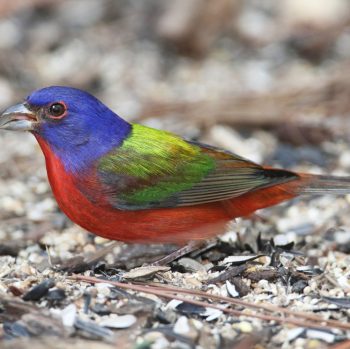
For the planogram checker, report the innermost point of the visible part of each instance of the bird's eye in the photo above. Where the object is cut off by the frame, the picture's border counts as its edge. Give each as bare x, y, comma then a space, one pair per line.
57, 110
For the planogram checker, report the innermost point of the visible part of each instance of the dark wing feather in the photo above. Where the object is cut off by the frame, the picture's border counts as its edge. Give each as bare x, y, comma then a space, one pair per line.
232, 177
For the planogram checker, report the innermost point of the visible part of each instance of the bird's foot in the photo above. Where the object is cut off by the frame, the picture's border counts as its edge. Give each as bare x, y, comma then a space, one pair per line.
182, 251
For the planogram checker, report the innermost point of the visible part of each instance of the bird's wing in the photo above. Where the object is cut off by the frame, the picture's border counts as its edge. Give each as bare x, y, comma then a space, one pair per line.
157, 169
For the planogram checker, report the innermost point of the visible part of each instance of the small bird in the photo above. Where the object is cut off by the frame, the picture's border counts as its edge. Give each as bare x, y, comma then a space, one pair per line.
133, 183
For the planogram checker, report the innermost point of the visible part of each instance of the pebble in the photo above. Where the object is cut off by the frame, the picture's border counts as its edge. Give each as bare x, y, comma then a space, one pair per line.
192, 281
10, 34
281, 240
39, 211
244, 326
69, 315
191, 265
10, 204
89, 248
157, 340
6, 265
186, 328
342, 236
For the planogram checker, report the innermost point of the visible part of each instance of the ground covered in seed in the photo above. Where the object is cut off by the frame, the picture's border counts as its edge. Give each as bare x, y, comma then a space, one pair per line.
266, 81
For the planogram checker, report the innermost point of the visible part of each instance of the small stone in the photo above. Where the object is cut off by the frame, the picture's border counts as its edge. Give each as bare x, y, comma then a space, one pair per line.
161, 343
228, 332
39, 211
342, 236
157, 339
192, 282
12, 205
89, 248
100, 240
307, 290
68, 315
191, 265
185, 327
244, 326
280, 240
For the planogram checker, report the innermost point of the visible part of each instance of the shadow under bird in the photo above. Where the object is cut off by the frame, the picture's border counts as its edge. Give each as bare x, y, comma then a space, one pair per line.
133, 183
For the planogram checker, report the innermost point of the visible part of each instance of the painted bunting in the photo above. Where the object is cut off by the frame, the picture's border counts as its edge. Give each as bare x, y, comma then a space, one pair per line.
133, 183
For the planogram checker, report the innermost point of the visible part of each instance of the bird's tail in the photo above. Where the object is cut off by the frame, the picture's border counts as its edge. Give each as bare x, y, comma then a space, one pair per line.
301, 184
318, 184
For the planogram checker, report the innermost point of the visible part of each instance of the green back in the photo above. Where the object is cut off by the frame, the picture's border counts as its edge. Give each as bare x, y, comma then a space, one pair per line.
157, 169
162, 164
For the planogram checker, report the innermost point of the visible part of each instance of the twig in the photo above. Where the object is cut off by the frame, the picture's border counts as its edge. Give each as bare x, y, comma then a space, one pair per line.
342, 345
267, 307
170, 294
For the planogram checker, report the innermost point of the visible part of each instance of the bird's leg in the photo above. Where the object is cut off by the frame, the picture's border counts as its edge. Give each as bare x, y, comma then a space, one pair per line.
182, 251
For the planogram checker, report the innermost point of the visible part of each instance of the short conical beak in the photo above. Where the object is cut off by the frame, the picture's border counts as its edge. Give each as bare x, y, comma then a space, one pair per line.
18, 118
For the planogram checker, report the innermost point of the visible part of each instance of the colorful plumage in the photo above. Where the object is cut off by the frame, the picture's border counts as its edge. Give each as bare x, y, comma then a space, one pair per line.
133, 183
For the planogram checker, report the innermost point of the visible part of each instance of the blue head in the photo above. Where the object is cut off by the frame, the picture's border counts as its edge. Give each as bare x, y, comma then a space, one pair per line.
77, 126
